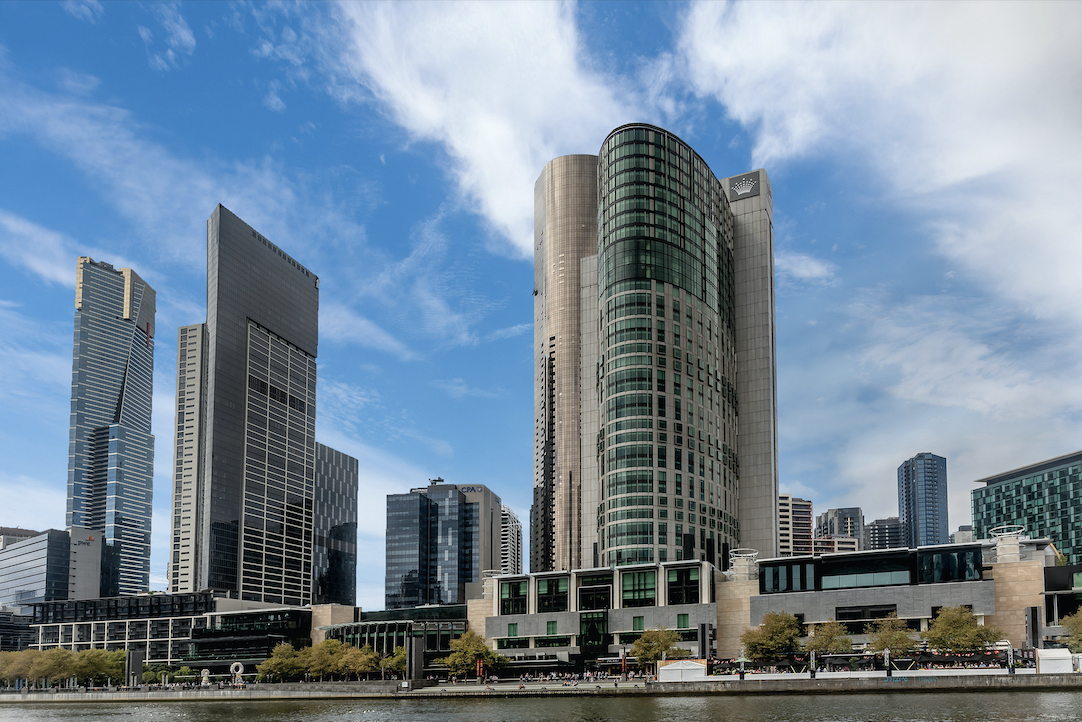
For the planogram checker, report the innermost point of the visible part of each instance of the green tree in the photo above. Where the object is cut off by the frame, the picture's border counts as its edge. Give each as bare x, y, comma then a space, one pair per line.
284, 663
322, 659
395, 661
20, 665
354, 661
95, 667
56, 664
466, 650
185, 673
655, 644
830, 638
778, 635
890, 633
955, 629
1072, 625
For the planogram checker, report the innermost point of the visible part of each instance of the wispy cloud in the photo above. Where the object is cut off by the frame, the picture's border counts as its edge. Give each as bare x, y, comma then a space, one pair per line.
510, 331
179, 40
802, 268
457, 388
32, 503
343, 324
88, 10
43, 251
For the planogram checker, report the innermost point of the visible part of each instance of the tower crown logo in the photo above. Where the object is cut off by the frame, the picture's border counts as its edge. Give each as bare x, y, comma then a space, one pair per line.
747, 185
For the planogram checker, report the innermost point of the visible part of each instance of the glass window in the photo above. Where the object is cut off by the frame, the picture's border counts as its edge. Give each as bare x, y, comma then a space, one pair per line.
513, 597
550, 628
638, 624
683, 586
512, 629
639, 589
682, 621
552, 595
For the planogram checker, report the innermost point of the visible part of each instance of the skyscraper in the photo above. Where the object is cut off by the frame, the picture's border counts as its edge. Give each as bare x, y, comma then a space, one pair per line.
794, 526
654, 377
883, 534
334, 551
844, 522
510, 541
244, 499
440, 538
922, 500
111, 449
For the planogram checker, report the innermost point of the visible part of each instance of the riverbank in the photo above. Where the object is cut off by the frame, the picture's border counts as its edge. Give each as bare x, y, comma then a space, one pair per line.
899, 683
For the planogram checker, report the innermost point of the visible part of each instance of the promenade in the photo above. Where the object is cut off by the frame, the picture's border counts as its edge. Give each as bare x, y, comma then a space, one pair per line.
950, 680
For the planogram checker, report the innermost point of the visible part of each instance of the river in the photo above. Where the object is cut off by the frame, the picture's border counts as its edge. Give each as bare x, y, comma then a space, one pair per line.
912, 707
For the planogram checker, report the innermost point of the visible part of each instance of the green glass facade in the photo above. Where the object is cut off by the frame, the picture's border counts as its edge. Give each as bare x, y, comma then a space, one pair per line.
667, 361
1043, 497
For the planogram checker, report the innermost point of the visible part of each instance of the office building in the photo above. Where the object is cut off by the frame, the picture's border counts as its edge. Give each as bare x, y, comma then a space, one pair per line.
12, 534
922, 500
834, 544
249, 401
510, 541
654, 343
794, 526
1042, 497
883, 534
964, 534
53, 565
844, 522
334, 553
111, 449
440, 538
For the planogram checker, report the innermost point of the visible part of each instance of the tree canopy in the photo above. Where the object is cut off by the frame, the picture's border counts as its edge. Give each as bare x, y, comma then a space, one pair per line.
656, 643
466, 650
955, 629
1072, 625
890, 633
829, 638
778, 635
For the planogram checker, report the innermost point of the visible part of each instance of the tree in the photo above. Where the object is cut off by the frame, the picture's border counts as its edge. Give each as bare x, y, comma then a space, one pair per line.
778, 635
466, 650
656, 643
890, 633
357, 661
1072, 625
21, 664
55, 664
95, 667
322, 659
830, 638
955, 629
395, 661
184, 673
283, 664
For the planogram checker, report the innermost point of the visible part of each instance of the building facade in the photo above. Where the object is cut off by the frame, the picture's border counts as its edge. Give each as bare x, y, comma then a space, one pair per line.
510, 541
334, 552
794, 526
845, 522
252, 501
440, 539
1042, 497
673, 404
53, 565
883, 534
111, 449
922, 500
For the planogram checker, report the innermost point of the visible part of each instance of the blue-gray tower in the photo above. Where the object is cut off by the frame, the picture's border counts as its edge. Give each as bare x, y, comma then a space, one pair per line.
922, 500
111, 449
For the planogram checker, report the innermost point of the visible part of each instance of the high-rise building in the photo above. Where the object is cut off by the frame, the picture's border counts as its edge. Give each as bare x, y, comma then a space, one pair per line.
53, 565
510, 541
883, 534
847, 522
334, 552
249, 422
440, 538
1042, 497
654, 342
111, 449
794, 526
963, 535
922, 500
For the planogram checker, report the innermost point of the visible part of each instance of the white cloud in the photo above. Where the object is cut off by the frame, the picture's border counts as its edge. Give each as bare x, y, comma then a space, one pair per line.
88, 10
802, 268
32, 503
458, 388
503, 88
179, 39
45, 252
272, 100
510, 331
343, 324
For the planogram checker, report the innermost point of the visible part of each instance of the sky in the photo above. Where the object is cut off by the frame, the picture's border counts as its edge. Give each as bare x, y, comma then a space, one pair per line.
924, 157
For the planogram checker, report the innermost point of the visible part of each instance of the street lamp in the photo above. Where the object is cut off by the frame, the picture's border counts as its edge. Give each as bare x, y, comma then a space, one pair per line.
623, 661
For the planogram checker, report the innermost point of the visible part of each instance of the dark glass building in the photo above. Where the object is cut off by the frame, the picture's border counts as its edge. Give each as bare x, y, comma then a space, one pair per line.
1043, 497
334, 552
111, 449
883, 534
35, 569
922, 500
440, 539
252, 394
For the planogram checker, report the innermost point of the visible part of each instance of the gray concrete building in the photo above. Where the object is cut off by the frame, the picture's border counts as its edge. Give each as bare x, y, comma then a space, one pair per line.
843, 522
883, 534
111, 449
668, 401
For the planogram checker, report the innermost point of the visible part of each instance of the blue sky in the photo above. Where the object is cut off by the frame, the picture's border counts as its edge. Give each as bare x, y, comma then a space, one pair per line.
925, 160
